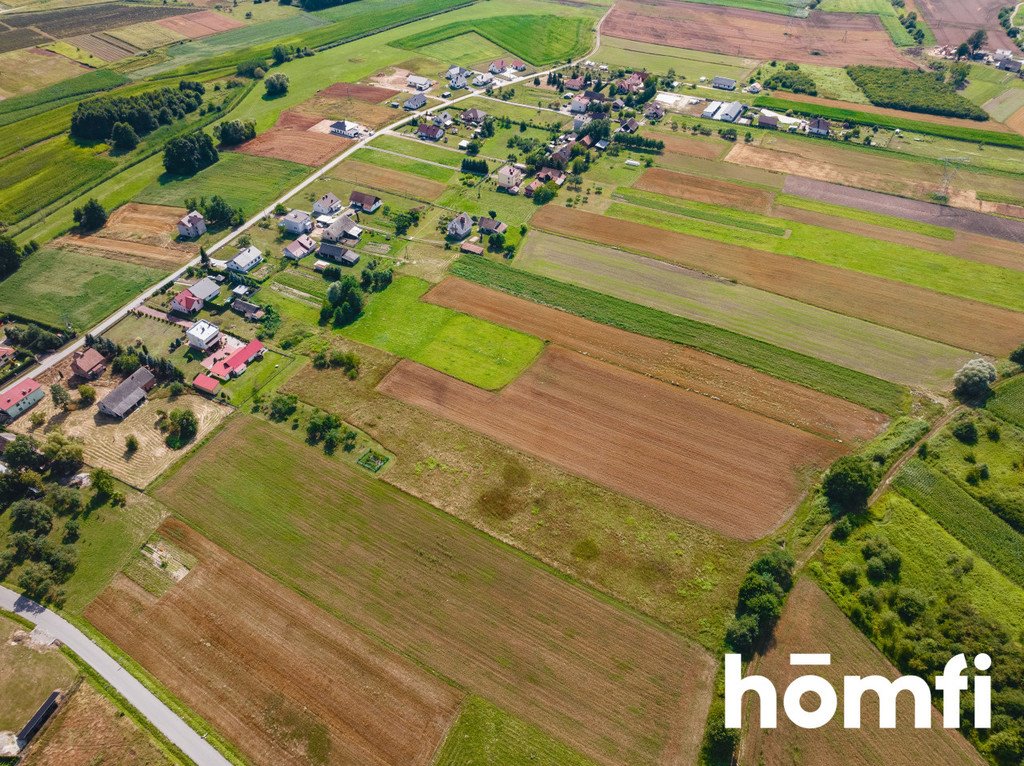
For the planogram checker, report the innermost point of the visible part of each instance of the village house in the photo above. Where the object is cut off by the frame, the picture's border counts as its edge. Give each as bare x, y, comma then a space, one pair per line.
418, 82
204, 384
246, 260
730, 112
629, 126
88, 363
455, 71
6, 354
474, 116
346, 129
363, 201
429, 132
551, 174
415, 101
129, 395
458, 82
491, 226
327, 205
249, 311
579, 105
654, 112
343, 228
460, 226
203, 335
484, 78
443, 120
723, 83
593, 95
519, 66
497, 67
192, 225
579, 122
574, 83
769, 121
1010, 65
532, 187
339, 254
509, 177
192, 299
235, 364
472, 248
819, 126
299, 248
297, 222
711, 110
20, 398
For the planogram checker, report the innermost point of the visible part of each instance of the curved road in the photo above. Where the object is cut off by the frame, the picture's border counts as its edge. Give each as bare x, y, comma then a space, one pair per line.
143, 700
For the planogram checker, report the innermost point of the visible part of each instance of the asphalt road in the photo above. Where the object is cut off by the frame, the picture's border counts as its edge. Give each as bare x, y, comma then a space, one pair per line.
143, 700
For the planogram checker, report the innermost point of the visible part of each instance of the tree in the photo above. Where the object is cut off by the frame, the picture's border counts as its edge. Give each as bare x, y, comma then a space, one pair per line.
131, 443
545, 193
235, 132
182, 428
963, 51
123, 136
90, 216
1017, 355
64, 453
974, 380
102, 482
281, 54
31, 516
64, 501
86, 393
849, 483
283, 406
61, 397
21, 453
36, 581
188, 154
276, 84
10, 255
344, 301
977, 40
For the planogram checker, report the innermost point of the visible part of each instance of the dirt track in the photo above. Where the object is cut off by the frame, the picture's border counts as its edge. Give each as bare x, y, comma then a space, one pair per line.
836, 39
279, 678
708, 190
703, 460
955, 321
687, 368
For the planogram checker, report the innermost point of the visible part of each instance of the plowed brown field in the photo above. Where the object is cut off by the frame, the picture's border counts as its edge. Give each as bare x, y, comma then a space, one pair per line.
714, 464
306, 147
700, 189
685, 367
284, 681
811, 623
953, 21
837, 39
141, 234
690, 147
199, 24
957, 322
385, 179
371, 94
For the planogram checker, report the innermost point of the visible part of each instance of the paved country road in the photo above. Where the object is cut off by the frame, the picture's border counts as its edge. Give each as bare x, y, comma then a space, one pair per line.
143, 700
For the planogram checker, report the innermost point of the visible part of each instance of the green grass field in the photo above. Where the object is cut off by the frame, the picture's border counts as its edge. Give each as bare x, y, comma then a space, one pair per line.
393, 162
28, 676
484, 733
242, 180
59, 287
419, 149
1008, 402
688, 65
831, 81
866, 216
852, 343
20, 107
537, 39
934, 271
829, 378
964, 518
985, 83
886, 14
464, 347
465, 49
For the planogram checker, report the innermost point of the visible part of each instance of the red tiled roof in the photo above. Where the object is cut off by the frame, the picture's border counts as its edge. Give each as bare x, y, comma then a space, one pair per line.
206, 384
16, 393
240, 358
87, 360
469, 247
6, 351
187, 300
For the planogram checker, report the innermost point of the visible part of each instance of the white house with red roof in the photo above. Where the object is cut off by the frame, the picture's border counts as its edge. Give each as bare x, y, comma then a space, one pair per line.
192, 299
235, 364
20, 398
497, 67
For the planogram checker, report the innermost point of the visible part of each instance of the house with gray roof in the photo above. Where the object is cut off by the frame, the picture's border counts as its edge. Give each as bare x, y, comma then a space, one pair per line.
129, 395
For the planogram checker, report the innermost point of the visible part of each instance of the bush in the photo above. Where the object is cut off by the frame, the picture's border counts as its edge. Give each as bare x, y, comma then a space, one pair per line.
974, 380
123, 136
849, 483
965, 431
235, 132
249, 68
86, 393
1017, 355
91, 216
182, 427
283, 406
792, 80
276, 84
131, 443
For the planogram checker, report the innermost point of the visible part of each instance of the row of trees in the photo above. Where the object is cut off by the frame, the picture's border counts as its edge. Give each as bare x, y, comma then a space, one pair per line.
639, 143
135, 115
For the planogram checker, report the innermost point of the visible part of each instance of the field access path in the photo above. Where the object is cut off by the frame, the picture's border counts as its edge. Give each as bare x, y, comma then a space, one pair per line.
142, 699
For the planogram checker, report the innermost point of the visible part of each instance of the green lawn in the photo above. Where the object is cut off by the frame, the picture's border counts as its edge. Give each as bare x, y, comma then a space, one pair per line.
479, 352
242, 180
538, 39
1008, 402
829, 378
485, 733
59, 287
964, 518
465, 49
934, 271
858, 345
155, 335
403, 164
689, 66
272, 368
420, 149
831, 81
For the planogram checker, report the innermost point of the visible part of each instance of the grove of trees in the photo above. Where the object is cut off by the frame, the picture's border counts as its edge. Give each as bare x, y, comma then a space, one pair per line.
95, 119
914, 91
188, 154
234, 132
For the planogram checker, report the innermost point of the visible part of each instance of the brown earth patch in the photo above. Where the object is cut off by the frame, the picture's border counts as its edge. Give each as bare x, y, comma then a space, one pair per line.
1016, 121
88, 730
385, 179
997, 252
156, 256
307, 147
953, 21
707, 461
326, 106
199, 24
700, 189
286, 682
811, 623
691, 147
680, 366
837, 39
958, 122
371, 94
141, 234
104, 46
955, 321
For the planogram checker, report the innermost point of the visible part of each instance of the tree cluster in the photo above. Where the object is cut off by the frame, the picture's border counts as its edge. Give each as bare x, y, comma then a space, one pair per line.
95, 119
33, 337
11, 255
913, 90
181, 427
234, 132
760, 602
477, 167
374, 278
343, 360
640, 143
276, 84
329, 429
90, 216
793, 79
344, 302
216, 211
188, 154
849, 483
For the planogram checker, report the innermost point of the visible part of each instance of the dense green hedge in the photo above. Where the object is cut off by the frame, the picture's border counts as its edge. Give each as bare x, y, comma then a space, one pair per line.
913, 90
972, 135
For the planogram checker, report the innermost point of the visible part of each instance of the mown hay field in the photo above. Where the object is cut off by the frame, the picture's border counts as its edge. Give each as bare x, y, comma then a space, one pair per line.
943, 318
495, 622
812, 623
283, 680
388, 180
58, 287
853, 343
713, 464
687, 368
